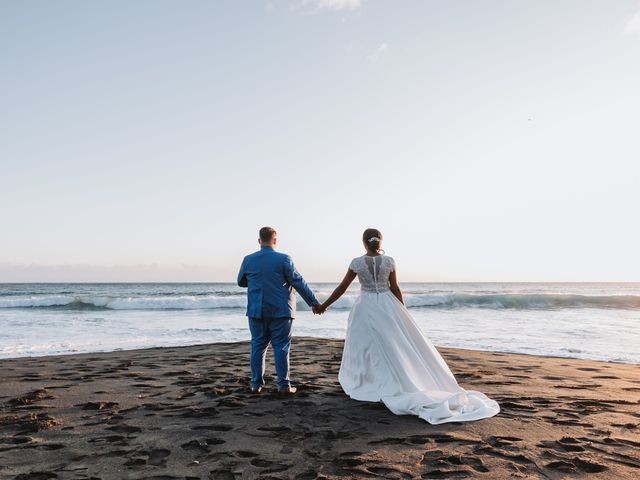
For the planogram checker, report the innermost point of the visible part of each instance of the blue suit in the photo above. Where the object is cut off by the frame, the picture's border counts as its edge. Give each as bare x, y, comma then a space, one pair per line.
271, 278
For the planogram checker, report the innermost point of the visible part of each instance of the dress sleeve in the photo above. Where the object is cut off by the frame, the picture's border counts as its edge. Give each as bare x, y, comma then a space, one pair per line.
353, 265
393, 264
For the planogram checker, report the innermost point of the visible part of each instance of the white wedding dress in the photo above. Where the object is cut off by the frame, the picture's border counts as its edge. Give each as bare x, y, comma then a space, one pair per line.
387, 358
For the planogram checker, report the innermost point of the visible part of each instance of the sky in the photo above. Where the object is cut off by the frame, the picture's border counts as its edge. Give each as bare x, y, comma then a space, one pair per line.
488, 140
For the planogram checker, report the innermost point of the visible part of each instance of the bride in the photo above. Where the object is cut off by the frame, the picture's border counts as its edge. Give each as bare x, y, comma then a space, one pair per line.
387, 358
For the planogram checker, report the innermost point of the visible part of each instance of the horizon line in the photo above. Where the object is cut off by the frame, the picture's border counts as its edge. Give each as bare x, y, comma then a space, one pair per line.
312, 282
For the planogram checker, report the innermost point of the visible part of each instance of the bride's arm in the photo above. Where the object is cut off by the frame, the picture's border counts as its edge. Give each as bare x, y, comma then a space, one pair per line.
394, 287
340, 289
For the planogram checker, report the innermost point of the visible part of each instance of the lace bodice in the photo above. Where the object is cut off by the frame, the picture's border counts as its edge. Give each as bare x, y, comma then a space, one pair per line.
373, 272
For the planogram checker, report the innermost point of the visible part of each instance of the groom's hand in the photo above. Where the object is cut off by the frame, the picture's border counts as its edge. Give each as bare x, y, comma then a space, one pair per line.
317, 309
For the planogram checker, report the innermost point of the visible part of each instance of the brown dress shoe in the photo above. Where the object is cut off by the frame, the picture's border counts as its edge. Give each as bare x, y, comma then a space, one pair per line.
288, 391
256, 391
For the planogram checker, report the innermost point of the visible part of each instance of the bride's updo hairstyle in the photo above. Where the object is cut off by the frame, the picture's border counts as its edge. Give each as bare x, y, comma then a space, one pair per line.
372, 238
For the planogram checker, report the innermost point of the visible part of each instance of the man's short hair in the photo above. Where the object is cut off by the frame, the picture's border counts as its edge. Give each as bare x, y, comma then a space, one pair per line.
267, 234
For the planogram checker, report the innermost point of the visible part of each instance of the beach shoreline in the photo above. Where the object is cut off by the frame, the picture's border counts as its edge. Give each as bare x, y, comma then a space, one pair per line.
591, 321
184, 412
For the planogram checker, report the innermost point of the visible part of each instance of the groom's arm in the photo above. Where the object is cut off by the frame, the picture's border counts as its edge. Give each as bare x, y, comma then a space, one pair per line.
242, 275
296, 281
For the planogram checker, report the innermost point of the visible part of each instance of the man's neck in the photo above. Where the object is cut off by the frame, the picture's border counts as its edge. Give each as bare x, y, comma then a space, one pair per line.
267, 246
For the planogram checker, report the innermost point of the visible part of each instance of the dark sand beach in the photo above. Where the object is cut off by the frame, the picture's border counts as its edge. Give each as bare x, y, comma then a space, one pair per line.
184, 412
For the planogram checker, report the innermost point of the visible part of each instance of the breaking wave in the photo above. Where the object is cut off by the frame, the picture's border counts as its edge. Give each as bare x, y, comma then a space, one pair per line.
439, 300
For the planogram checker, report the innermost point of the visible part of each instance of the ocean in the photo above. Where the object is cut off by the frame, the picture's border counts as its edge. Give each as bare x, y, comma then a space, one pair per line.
598, 321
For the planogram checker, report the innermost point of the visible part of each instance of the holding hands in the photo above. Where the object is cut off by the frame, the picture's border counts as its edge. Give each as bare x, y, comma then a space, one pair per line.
318, 309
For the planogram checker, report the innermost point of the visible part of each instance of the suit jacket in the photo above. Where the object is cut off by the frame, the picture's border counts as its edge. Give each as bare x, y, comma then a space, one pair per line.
271, 278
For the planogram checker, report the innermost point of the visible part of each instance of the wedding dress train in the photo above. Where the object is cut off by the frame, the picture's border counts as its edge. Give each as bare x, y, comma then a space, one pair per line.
387, 358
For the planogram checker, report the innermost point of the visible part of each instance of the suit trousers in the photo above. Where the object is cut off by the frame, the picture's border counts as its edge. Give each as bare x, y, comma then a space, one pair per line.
276, 331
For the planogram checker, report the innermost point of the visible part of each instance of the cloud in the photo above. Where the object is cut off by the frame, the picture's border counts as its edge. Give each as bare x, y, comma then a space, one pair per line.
633, 25
315, 6
339, 4
381, 54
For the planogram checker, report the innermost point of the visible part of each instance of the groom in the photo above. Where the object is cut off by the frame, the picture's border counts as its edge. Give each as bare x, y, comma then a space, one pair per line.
271, 277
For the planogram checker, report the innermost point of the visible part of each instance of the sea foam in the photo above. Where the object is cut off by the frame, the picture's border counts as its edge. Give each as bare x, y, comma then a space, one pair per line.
206, 302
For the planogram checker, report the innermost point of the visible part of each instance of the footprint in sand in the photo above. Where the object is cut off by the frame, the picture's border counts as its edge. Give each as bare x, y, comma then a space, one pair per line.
155, 457
511, 405
436, 458
494, 452
276, 429
30, 398
222, 475
215, 428
347, 463
196, 412
565, 444
15, 440
308, 475
389, 441
121, 439
31, 423
269, 466
504, 442
197, 445
246, 454
202, 445
576, 465
158, 456
100, 405
231, 402
435, 474
36, 476
386, 472
126, 429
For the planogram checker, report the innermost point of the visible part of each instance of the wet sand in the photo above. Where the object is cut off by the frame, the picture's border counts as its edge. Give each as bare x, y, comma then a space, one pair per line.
184, 412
